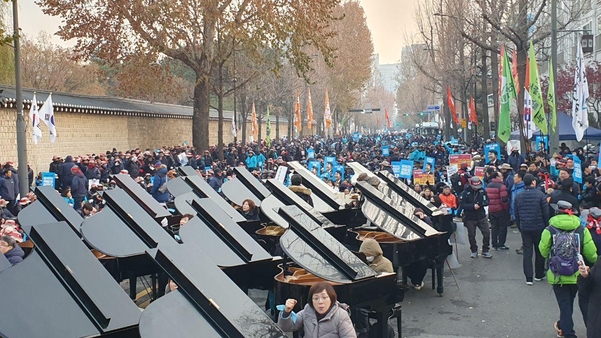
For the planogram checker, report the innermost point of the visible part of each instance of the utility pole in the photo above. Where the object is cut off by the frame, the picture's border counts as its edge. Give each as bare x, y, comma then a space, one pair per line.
554, 136
21, 140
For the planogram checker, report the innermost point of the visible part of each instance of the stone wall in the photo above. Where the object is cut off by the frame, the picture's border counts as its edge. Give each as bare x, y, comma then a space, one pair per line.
82, 133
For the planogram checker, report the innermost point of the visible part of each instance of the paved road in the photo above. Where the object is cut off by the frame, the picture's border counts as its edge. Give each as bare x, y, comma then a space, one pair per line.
493, 301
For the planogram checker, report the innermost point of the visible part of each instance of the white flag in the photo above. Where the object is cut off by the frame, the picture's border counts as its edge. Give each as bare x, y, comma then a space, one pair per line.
579, 108
47, 115
34, 118
234, 127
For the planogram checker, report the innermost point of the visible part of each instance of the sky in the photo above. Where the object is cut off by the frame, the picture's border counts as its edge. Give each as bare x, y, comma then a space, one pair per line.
390, 22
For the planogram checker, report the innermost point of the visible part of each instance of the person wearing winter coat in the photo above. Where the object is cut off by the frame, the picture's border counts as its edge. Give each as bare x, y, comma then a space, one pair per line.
516, 189
375, 256
7, 188
250, 210
65, 176
159, 179
322, 317
295, 185
79, 187
532, 216
473, 200
498, 210
589, 286
565, 287
11, 250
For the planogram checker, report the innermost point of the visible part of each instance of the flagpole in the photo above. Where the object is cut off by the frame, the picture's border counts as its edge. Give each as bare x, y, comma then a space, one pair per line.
21, 139
554, 136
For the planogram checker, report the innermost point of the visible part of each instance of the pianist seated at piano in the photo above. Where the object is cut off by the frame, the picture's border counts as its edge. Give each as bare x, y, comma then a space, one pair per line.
323, 317
249, 210
295, 185
375, 256
86, 210
11, 250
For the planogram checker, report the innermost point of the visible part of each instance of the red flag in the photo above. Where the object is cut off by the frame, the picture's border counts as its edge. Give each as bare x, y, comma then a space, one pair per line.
473, 116
451, 104
514, 70
387, 117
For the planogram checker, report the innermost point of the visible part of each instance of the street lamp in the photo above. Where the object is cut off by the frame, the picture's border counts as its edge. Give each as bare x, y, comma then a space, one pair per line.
21, 140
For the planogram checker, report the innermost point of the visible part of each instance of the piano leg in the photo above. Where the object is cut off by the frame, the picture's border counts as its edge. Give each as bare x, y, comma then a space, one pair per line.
440, 275
132, 287
382, 325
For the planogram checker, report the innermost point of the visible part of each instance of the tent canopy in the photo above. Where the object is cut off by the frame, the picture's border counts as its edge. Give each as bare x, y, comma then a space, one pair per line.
566, 131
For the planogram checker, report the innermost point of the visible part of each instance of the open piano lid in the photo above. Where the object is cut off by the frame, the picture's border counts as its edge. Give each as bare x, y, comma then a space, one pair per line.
223, 240
244, 186
314, 249
207, 303
270, 207
133, 189
317, 186
405, 191
290, 198
204, 190
123, 228
186, 170
391, 217
359, 168
4, 263
49, 207
62, 290
237, 192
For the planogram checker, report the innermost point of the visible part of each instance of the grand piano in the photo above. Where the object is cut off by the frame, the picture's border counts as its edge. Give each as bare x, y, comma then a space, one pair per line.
121, 233
405, 238
205, 304
49, 207
239, 255
313, 255
61, 290
326, 201
144, 199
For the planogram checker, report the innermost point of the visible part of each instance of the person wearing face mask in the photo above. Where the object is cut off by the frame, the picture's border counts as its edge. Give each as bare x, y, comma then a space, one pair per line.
473, 200
322, 317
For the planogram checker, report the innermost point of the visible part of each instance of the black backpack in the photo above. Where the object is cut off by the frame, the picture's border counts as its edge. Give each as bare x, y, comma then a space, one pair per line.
456, 183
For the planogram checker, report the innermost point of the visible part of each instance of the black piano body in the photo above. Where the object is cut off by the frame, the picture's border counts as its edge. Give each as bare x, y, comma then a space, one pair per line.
61, 290
414, 240
49, 207
326, 201
248, 263
313, 255
206, 302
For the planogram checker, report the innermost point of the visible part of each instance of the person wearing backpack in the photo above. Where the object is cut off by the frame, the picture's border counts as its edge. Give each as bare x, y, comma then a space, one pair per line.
562, 242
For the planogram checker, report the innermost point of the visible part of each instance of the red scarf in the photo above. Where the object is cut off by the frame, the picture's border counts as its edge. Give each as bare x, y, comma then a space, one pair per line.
593, 223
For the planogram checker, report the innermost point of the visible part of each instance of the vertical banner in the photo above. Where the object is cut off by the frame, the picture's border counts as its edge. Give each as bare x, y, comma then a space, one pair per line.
577, 169
406, 169
429, 165
542, 143
385, 151
489, 147
396, 168
48, 179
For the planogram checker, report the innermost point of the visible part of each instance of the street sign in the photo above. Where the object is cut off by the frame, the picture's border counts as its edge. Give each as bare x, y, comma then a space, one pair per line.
433, 108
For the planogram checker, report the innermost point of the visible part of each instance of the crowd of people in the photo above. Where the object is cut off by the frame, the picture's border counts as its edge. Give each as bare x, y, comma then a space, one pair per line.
548, 199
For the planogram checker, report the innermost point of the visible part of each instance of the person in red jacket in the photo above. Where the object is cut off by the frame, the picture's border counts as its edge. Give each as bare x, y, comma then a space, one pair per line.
498, 210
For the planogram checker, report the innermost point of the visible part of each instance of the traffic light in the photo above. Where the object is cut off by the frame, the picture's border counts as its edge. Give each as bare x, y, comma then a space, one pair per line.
406, 114
421, 114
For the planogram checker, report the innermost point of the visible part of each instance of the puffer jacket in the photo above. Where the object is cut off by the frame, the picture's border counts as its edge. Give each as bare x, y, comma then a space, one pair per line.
370, 247
79, 185
516, 189
336, 323
531, 210
303, 193
15, 255
498, 196
159, 178
566, 222
469, 198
